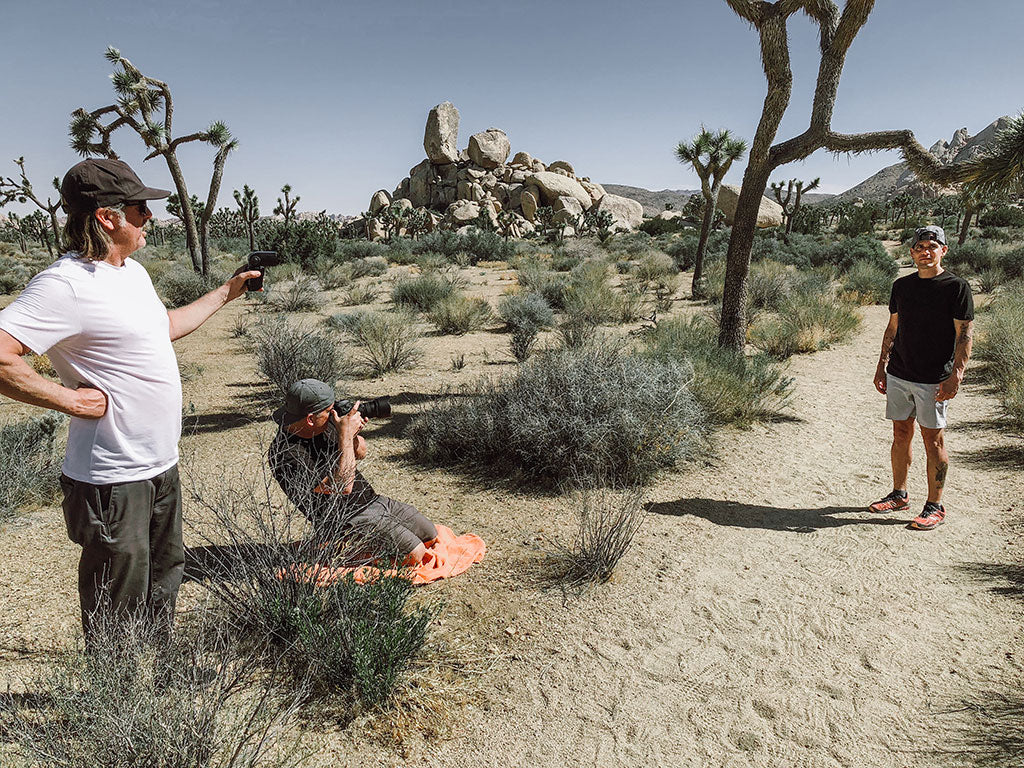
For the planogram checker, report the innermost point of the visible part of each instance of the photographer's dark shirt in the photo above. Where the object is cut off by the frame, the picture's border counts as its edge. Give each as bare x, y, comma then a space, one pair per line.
925, 335
300, 464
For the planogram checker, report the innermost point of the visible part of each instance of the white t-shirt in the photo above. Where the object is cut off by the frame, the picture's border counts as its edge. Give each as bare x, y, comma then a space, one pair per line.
104, 326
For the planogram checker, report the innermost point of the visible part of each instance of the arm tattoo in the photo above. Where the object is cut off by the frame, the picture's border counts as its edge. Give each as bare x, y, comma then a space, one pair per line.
887, 340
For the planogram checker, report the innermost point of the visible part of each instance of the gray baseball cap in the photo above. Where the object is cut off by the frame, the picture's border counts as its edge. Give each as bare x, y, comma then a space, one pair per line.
304, 397
931, 232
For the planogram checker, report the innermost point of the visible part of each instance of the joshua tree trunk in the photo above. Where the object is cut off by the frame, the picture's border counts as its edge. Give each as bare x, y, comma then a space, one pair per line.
211, 201
188, 218
966, 225
697, 291
733, 330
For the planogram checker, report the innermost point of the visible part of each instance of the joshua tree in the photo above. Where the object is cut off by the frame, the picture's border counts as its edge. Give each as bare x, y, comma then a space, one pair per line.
249, 206
141, 100
790, 203
286, 208
21, 191
711, 155
18, 229
1000, 167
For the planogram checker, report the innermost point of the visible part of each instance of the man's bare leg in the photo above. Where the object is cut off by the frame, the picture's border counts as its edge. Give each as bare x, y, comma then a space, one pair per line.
938, 461
902, 452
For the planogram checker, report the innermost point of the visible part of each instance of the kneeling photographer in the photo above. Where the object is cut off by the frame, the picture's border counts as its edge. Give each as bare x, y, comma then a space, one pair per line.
313, 457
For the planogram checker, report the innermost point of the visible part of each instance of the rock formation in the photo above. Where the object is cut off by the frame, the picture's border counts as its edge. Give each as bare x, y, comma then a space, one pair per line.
769, 214
456, 187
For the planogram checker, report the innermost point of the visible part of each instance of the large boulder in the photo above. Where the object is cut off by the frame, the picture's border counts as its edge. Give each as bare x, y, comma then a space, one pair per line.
441, 134
463, 212
421, 179
567, 210
769, 214
381, 199
489, 148
626, 213
528, 203
554, 185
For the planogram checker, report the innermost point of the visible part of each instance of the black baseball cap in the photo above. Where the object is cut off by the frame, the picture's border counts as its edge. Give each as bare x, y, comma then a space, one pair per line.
931, 232
304, 397
99, 182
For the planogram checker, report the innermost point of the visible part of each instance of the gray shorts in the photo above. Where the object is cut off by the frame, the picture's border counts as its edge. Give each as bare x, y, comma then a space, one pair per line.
908, 399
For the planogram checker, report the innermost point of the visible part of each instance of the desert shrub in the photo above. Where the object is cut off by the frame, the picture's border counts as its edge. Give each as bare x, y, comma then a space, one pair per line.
458, 314
347, 642
732, 387
447, 242
1001, 234
683, 249
845, 253
385, 341
351, 250
608, 521
856, 223
535, 276
806, 322
399, 251
304, 241
620, 418
133, 701
589, 295
239, 326
422, 292
633, 244
633, 299
565, 261
14, 275
436, 262
769, 283
485, 246
181, 285
1001, 347
522, 342
374, 266
360, 293
1011, 263
990, 279
973, 256
866, 283
330, 274
526, 310
655, 227
286, 353
303, 294
1002, 216
654, 265
29, 461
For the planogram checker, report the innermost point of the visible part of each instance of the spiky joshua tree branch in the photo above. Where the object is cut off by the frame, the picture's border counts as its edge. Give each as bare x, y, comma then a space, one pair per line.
144, 104
22, 192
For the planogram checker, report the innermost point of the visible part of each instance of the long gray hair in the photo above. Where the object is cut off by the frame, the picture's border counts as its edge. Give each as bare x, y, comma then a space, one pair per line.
84, 235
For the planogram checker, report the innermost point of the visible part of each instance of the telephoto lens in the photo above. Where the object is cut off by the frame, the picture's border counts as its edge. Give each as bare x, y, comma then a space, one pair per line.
379, 407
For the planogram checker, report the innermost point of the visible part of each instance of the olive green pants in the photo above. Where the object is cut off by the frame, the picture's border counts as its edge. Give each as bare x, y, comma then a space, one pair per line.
132, 554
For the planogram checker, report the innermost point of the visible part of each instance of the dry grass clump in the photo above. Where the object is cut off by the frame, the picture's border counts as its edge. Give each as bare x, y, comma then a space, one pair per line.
609, 520
302, 294
360, 293
732, 387
1001, 347
422, 292
867, 283
286, 353
805, 322
384, 341
458, 315
133, 701
591, 412
30, 457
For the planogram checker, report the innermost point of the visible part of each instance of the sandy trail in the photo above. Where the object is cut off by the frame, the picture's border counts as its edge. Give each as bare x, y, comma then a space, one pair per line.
762, 618
765, 620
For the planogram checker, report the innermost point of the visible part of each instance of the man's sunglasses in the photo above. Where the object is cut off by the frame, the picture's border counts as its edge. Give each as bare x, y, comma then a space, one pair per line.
139, 205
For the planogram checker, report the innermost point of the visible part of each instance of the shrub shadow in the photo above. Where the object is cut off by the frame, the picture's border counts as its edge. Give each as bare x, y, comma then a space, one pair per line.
734, 514
995, 457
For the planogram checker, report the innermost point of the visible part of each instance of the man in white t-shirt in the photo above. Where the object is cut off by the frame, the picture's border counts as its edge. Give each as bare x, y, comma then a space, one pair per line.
95, 314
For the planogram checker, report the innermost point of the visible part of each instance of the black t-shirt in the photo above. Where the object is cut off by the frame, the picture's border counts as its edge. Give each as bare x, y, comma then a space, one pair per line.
300, 464
925, 334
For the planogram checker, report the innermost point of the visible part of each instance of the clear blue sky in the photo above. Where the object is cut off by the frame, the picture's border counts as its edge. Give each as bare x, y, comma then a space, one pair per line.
331, 97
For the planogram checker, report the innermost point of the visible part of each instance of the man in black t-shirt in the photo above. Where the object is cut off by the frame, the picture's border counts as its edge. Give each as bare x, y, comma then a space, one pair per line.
313, 458
925, 350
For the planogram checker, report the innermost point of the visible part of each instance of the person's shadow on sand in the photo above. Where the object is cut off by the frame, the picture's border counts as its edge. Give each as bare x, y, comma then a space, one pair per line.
738, 515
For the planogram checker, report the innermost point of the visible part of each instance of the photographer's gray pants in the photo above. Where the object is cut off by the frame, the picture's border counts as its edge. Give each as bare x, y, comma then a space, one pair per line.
391, 525
132, 554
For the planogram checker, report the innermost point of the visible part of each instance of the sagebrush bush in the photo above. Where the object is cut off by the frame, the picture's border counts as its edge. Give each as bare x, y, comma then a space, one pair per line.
360, 293
866, 283
303, 294
458, 314
806, 322
971, 257
181, 285
535, 275
862, 248
132, 701
1001, 347
349, 642
330, 274
14, 275
732, 387
351, 250
654, 265
385, 341
287, 352
526, 310
422, 292
593, 412
1011, 263
30, 458
373, 266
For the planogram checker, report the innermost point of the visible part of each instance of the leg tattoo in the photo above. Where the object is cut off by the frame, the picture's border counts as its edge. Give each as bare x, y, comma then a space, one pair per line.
940, 473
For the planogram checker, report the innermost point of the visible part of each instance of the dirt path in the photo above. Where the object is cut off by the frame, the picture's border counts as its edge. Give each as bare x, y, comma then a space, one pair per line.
765, 620
762, 619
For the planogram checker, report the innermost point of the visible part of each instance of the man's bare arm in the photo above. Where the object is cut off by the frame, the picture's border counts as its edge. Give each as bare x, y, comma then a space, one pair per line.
961, 354
19, 382
888, 338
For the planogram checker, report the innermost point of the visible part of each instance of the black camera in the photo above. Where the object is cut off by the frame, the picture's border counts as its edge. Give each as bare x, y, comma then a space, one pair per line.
259, 260
379, 407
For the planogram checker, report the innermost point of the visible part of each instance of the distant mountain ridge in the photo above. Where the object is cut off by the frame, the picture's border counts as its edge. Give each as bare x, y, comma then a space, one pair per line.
898, 178
654, 202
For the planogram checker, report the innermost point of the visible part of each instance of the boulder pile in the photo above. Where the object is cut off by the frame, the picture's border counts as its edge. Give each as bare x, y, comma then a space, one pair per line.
454, 187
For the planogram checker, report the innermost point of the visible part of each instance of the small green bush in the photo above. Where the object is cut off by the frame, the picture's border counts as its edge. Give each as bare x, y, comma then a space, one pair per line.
385, 341
286, 353
303, 294
351, 250
14, 275
535, 276
971, 257
526, 310
590, 297
807, 322
422, 292
1011, 263
373, 266
845, 253
181, 285
1001, 347
867, 283
732, 387
654, 265
360, 293
655, 226
1003, 216
458, 315
29, 461
592, 412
